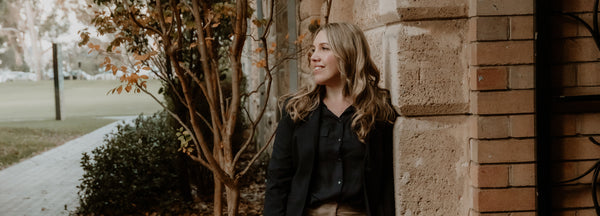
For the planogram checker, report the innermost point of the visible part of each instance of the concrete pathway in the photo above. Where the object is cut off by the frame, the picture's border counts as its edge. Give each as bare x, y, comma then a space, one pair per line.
47, 183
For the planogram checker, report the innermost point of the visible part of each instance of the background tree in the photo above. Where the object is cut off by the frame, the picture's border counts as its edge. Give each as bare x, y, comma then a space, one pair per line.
196, 48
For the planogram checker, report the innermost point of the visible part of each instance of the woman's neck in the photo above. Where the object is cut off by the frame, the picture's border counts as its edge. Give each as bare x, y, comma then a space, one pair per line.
335, 100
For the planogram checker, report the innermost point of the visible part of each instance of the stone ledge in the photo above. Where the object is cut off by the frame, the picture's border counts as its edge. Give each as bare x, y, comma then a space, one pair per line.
431, 13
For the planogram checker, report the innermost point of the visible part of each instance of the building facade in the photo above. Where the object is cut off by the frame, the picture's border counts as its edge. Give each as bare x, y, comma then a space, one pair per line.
487, 123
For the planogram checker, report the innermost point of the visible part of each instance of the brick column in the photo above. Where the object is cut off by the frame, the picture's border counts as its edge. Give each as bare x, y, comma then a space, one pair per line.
501, 81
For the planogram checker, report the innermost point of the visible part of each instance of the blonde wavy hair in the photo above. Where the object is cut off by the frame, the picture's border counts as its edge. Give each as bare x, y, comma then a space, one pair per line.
360, 76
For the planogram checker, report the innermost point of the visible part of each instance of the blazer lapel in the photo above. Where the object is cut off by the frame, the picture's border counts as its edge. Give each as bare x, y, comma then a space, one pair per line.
308, 137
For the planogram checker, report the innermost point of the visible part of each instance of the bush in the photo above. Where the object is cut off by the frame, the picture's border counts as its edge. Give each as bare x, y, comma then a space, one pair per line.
137, 171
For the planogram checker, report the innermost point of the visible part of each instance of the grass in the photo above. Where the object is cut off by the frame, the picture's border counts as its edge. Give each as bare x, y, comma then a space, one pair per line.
27, 116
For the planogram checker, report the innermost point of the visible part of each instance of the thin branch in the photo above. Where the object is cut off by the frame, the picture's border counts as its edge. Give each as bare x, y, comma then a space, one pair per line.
176, 117
262, 149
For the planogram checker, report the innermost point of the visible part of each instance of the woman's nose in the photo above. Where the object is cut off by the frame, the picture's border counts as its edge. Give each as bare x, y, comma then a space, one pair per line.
314, 57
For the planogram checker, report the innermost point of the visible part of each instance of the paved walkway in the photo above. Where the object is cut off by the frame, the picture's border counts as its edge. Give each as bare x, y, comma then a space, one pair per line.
47, 183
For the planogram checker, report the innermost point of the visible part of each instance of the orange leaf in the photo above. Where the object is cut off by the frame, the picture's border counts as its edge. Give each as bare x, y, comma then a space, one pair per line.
257, 50
144, 77
215, 25
114, 70
120, 89
123, 68
107, 60
146, 68
128, 88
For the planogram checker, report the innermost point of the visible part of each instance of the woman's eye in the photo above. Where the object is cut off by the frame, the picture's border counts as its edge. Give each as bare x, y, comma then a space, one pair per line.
325, 48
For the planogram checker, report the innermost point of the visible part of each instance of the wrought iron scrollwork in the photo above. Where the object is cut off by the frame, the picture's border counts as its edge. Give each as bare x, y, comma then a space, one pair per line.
596, 170
593, 29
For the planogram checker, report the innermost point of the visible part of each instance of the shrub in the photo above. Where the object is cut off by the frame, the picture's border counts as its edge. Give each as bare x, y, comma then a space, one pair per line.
137, 171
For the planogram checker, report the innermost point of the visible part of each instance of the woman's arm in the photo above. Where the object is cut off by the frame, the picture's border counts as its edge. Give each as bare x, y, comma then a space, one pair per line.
280, 170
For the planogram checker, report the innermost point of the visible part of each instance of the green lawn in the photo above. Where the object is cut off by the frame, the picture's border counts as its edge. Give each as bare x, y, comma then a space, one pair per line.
27, 125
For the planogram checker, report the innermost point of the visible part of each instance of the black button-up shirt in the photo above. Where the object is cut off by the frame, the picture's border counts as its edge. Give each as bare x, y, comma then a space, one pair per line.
338, 173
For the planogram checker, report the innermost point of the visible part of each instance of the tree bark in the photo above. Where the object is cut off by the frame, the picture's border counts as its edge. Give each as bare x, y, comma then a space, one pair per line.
233, 200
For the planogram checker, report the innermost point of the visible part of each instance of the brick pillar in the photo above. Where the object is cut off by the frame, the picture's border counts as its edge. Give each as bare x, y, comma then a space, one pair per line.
501, 81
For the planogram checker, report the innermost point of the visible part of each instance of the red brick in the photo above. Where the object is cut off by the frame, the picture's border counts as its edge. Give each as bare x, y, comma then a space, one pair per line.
588, 74
521, 77
564, 213
588, 123
521, 27
522, 126
474, 213
570, 170
522, 175
565, 171
511, 199
575, 148
581, 29
564, 124
586, 212
584, 90
503, 7
491, 28
576, 50
564, 27
573, 196
503, 151
522, 214
489, 175
502, 102
574, 6
564, 75
489, 78
489, 127
502, 53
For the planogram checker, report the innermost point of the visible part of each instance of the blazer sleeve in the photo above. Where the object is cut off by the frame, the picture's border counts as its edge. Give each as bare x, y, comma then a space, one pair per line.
281, 169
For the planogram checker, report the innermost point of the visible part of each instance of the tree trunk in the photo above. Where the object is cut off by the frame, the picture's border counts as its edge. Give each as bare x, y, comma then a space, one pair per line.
233, 200
218, 198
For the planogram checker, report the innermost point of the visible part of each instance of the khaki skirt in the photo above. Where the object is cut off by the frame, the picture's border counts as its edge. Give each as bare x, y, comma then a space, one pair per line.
333, 209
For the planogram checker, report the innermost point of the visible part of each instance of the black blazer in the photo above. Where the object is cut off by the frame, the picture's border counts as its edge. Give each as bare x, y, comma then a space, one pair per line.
292, 161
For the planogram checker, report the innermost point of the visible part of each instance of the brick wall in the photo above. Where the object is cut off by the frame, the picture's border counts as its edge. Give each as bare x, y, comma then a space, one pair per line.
575, 73
501, 81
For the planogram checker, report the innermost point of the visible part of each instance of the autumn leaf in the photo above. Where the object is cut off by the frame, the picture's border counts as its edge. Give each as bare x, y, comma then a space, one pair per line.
257, 50
169, 19
147, 68
144, 77
261, 63
215, 25
128, 88
119, 90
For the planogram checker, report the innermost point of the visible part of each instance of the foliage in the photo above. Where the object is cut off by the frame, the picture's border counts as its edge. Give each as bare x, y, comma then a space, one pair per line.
136, 171
195, 47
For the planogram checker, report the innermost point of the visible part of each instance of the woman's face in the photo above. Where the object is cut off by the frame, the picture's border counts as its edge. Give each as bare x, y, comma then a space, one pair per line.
323, 63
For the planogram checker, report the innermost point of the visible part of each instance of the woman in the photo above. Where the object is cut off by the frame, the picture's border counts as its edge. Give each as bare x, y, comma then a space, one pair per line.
332, 153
